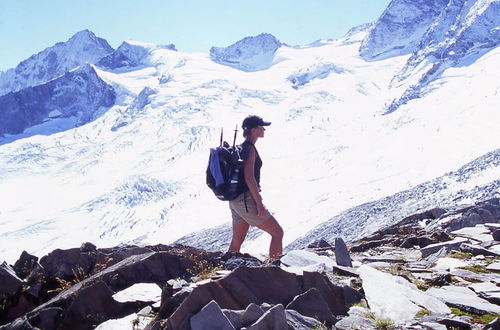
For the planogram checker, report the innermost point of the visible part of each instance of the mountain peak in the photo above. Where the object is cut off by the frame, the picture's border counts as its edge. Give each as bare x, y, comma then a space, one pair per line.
52, 62
249, 54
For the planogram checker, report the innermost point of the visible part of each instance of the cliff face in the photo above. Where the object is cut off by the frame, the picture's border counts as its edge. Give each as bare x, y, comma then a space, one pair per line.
77, 93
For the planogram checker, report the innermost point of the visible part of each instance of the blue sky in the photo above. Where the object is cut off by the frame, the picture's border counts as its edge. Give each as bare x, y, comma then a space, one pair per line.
29, 26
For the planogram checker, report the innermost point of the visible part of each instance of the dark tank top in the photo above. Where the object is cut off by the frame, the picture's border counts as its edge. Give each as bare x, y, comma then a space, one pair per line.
245, 152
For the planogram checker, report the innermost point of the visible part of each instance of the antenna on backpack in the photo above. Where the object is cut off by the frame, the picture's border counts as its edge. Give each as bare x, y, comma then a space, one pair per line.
235, 132
221, 134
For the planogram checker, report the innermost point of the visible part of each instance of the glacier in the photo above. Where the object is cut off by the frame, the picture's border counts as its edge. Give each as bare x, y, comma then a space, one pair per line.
336, 162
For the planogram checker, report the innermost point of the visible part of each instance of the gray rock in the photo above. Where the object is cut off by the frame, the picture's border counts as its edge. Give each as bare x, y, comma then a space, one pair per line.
342, 256
210, 318
496, 235
449, 245
235, 317
464, 299
274, 318
10, 284
251, 314
297, 321
312, 304
357, 319
333, 294
351, 296
478, 250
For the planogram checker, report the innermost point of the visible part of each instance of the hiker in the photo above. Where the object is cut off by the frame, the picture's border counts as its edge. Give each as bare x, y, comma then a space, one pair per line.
247, 209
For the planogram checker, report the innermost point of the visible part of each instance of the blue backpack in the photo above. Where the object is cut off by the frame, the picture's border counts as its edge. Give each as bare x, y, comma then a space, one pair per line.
225, 169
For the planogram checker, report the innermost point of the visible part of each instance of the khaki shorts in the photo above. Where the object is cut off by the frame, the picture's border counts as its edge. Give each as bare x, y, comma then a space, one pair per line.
239, 211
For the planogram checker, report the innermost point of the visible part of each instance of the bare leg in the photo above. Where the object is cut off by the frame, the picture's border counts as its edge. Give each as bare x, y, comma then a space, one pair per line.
274, 229
240, 230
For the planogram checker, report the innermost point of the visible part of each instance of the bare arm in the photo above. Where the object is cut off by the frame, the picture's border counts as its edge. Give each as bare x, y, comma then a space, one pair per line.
252, 183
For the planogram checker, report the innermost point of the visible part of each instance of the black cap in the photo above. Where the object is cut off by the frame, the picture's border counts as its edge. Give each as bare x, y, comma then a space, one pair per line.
254, 121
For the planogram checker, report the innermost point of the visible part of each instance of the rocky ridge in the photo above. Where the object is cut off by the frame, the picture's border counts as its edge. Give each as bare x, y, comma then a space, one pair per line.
78, 93
442, 265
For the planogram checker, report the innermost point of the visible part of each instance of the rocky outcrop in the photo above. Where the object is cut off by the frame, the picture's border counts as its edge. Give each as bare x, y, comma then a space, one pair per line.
436, 284
78, 93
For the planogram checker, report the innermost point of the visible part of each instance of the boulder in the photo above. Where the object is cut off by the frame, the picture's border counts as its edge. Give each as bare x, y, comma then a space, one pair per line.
303, 258
332, 294
297, 321
274, 318
342, 256
24, 265
68, 264
92, 305
478, 250
235, 317
386, 294
237, 290
311, 303
251, 314
358, 319
463, 298
10, 284
210, 318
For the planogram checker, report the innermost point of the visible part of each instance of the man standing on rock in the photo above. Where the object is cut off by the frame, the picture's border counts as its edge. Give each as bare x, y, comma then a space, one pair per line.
248, 209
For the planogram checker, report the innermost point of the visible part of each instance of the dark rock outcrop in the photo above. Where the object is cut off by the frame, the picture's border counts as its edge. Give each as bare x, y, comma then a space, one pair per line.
78, 93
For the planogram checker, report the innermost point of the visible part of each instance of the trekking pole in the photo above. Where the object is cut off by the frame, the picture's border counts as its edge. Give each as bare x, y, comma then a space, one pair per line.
221, 133
235, 132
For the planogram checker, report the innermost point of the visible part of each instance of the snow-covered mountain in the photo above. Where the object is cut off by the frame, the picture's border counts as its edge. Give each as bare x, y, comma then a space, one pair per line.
400, 28
249, 54
83, 47
134, 172
77, 95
